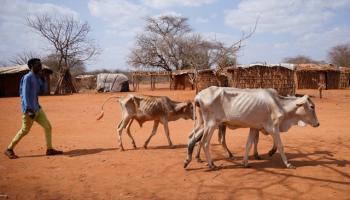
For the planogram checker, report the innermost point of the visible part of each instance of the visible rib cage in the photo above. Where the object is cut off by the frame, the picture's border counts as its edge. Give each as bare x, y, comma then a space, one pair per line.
154, 106
144, 108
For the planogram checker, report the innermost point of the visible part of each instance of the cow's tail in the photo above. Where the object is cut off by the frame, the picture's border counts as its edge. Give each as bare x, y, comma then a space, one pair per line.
192, 137
102, 112
197, 121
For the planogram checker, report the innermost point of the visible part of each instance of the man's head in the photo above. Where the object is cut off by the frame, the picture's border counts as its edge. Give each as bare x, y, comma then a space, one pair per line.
34, 65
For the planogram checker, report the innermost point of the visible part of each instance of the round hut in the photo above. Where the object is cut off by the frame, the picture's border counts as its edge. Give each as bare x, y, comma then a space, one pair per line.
109, 82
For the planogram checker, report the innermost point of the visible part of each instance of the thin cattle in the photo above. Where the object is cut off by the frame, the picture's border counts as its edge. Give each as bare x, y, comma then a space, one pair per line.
142, 108
258, 109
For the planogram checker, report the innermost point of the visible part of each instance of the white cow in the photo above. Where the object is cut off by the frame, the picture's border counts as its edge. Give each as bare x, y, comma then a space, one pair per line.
258, 109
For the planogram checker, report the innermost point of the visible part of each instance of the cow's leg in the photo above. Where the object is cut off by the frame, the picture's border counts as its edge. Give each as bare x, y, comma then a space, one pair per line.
256, 141
196, 137
196, 129
252, 133
277, 139
129, 134
222, 136
273, 149
208, 133
123, 123
154, 131
166, 131
222, 130
199, 141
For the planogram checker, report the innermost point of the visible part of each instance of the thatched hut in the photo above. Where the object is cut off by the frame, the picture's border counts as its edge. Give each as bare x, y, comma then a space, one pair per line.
85, 82
182, 79
311, 76
211, 77
344, 81
11, 76
206, 78
277, 76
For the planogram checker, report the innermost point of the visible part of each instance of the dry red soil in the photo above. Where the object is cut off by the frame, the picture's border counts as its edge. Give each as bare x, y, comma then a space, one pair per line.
92, 166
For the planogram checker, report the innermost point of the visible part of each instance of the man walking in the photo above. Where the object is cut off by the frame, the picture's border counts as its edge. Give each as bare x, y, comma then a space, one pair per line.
32, 84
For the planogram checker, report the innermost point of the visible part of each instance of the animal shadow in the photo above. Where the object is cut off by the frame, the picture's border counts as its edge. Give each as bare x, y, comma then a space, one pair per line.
177, 146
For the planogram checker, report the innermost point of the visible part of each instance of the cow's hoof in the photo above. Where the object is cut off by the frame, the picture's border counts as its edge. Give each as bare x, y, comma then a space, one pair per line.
246, 165
186, 163
271, 152
290, 166
121, 149
199, 160
212, 166
171, 146
145, 146
231, 157
257, 157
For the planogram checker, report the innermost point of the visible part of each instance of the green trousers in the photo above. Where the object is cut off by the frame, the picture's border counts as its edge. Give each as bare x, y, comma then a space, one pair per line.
27, 122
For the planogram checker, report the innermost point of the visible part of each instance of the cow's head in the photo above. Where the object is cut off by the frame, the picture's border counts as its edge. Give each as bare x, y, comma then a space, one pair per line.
306, 111
185, 109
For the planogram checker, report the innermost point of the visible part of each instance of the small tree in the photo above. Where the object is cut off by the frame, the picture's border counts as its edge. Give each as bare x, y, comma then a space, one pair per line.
22, 58
69, 37
161, 44
300, 59
340, 55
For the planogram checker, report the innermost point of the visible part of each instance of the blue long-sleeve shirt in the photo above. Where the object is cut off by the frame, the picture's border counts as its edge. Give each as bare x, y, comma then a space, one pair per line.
30, 87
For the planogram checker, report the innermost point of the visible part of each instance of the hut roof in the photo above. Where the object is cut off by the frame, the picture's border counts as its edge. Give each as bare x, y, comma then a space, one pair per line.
206, 70
191, 71
19, 68
181, 72
284, 65
344, 69
316, 67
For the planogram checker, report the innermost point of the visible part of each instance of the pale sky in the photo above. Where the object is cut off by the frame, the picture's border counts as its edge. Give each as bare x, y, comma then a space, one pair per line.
285, 28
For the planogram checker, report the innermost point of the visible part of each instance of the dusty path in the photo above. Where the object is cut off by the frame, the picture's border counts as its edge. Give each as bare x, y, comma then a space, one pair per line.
93, 167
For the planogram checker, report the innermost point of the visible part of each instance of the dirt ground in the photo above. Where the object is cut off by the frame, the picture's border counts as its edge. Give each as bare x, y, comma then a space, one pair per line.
92, 166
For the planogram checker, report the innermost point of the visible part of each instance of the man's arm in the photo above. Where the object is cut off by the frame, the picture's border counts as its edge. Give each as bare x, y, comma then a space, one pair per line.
27, 102
43, 84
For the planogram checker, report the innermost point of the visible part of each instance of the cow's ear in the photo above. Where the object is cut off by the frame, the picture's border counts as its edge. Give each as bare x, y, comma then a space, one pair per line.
302, 100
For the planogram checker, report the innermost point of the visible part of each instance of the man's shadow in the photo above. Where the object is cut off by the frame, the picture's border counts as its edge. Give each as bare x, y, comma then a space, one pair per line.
83, 152
75, 152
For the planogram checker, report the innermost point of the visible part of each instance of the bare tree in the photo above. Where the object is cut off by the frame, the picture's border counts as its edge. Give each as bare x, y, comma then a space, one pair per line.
69, 37
22, 58
340, 55
217, 55
160, 46
169, 44
300, 59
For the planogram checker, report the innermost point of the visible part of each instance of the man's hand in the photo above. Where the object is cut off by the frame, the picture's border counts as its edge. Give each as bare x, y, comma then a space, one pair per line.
30, 113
